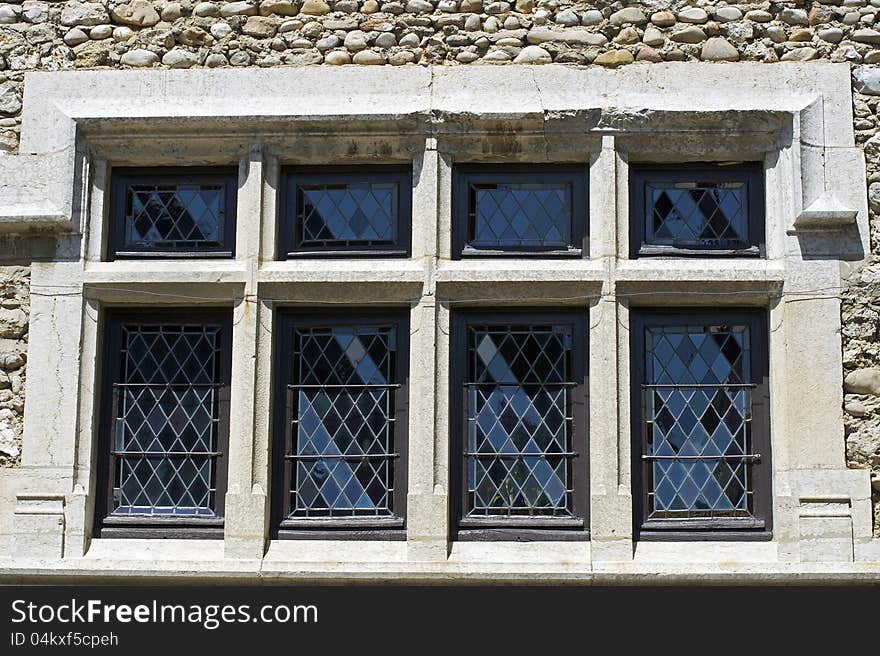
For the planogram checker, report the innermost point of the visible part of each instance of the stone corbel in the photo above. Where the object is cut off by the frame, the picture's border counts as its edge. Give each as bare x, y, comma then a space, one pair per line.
826, 212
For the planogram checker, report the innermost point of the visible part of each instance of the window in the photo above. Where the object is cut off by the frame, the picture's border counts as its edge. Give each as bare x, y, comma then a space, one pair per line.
519, 210
183, 212
346, 211
519, 418
706, 209
701, 422
341, 424
166, 422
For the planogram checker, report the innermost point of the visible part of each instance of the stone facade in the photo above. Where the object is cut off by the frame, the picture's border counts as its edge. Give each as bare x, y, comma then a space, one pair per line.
52, 36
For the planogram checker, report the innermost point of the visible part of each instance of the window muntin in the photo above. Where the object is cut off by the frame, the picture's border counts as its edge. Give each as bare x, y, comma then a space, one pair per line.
703, 446
519, 209
344, 421
168, 392
689, 210
183, 212
522, 445
345, 211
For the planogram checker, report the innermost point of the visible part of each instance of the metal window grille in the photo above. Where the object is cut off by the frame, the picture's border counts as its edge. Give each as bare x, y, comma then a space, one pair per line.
518, 455
513, 215
697, 404
348, 214
167, 416
696, 214
341, 414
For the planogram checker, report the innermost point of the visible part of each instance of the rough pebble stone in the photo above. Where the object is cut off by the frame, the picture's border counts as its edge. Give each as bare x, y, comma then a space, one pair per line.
171, 12
689, 34
718, 49
196, 37
626, 15
759, 16
9, 14
122, 33
863, 381
278, 8
866, 35
75, 36
314, 8
693, 15
260, 27
10, 104
386, 40
206, 10
180, 58
355, 41
538, 35
567, 17
84, 14
727, 14
794, 16
627, 36
648, 54
238, 9
533, 55
418, 7
653, 37
139, 57
368, 58
139, 13
867, 80
100, 32
614, 58
663, 19
35, 12
801, 36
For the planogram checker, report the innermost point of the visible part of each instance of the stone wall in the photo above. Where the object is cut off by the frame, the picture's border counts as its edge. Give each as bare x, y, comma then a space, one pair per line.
14, 312
37, 35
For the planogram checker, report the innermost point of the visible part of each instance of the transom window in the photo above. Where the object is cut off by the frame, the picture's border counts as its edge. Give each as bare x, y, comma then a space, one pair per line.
168, 396
344, 423
522, 446
182, 212
689, 210
345, 211
519, 209
703, 446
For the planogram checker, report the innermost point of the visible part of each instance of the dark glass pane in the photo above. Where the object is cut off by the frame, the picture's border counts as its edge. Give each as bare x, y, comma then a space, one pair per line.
519, 427
174, 216
520, 215
696, 214
698, 407
343, 428
347, 214
167, 420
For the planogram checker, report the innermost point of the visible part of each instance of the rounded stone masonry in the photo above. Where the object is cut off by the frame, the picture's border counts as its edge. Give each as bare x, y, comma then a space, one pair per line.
863, 381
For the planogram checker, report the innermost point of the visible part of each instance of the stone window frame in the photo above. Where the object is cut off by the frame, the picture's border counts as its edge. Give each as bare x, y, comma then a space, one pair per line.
123, 176
795, 118
109, 526
288, 243
282, 525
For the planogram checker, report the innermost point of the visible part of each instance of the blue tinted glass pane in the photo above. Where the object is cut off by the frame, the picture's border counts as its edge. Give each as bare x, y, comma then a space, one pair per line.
170, 216
697, 214
343, 427
698, 409
519, 433
357, 213
521, 215
167, 419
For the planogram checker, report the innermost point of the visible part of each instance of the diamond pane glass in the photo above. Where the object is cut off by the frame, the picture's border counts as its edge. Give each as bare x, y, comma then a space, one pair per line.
696, 214
520, 215
167, 418
343, 421
347, 214
698, 412
174, 216
519, 426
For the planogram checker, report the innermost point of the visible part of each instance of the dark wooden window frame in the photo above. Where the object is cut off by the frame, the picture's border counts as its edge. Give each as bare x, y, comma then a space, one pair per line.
289, 246
751, 173
133, 526
339, 528
520, 529
577, 175
757, 528
121, 178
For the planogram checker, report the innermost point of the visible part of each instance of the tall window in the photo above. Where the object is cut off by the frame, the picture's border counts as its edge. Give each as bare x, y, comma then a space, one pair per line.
519, 210
172, 212
705, 209
520, 410
166, 421
702, 421
341, 423
346, 211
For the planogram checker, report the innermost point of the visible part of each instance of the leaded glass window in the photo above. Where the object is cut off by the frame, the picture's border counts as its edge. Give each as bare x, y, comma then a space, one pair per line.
523, 451
691, 210
702, 380
168, 388
172, 213
343, 210
345, 404
519, 209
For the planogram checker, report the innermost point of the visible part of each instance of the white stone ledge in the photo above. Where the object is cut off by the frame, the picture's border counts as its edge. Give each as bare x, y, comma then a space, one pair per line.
344, 270
165, 271
520, 270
